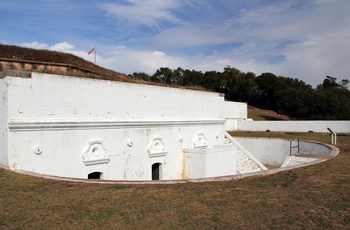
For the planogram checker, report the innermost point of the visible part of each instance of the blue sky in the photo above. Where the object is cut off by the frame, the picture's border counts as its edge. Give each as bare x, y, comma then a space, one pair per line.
304, 39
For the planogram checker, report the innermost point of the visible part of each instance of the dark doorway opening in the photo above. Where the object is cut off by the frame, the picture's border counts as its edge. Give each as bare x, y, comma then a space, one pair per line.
156, 171
95, 175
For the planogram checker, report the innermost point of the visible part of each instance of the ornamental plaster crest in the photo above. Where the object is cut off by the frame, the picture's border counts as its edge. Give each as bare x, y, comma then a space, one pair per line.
96, 153
156, 147
199, 141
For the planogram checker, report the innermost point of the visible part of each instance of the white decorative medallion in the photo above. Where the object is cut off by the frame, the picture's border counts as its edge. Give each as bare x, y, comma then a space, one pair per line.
130, 143
38, 150
156, 147
96, 153
199, 141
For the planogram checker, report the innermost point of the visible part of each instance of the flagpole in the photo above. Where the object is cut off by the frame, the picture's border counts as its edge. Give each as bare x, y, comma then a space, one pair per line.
95, 56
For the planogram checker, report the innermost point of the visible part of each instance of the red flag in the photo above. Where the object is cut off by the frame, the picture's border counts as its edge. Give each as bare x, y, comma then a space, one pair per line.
91, 51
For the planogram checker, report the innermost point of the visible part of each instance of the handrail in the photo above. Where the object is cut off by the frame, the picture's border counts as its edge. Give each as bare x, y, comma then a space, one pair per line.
334, 136
292, 147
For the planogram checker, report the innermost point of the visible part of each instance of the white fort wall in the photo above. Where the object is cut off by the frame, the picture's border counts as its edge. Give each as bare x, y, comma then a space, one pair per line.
71, 127
3, 123
234, 112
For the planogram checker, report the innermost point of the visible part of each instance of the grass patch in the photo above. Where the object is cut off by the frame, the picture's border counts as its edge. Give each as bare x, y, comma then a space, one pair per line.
265, 115
313, 197
119, 186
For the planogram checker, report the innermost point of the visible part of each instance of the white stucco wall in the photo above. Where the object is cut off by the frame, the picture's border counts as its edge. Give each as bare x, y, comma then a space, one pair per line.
57, 122
295, 126
62, 150
3, 123
234, 112
218, 161
64, 97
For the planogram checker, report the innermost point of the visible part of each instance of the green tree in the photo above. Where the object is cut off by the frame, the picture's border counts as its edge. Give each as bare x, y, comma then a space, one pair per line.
164, 75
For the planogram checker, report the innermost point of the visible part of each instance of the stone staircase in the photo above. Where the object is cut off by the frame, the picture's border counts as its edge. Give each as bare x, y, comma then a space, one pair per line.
246, 162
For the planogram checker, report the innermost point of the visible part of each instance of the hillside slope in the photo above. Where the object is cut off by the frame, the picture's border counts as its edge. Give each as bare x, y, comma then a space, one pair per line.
27, 59
265, 115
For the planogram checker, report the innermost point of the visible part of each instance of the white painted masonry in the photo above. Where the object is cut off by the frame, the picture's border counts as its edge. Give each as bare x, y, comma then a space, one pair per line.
234, 112
71, 127
3, 124
214, 159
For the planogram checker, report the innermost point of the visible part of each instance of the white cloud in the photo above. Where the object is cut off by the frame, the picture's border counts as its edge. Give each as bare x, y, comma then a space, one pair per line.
126, 60
145, 12
62, 46
35, 45
319, 56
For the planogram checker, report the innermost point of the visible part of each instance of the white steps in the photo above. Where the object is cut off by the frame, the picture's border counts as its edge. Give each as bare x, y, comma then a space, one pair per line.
245, 161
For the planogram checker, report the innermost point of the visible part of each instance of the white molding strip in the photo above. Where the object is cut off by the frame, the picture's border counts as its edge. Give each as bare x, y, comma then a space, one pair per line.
38, 125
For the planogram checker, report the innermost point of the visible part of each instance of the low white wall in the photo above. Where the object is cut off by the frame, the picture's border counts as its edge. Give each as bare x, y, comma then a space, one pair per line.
234, 112
217, 161
273, 151
294, 126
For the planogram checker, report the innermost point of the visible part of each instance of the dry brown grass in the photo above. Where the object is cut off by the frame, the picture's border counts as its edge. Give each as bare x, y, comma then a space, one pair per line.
54, 62
263, 114
314, 197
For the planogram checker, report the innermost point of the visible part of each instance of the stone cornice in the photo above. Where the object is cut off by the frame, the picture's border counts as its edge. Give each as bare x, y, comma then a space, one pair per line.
36, 125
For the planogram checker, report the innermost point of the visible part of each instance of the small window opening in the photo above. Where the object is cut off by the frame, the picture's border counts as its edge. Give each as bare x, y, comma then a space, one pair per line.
156, 171
95, 175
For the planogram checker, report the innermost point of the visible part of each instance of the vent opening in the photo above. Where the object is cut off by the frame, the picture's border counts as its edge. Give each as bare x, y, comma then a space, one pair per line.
95, 176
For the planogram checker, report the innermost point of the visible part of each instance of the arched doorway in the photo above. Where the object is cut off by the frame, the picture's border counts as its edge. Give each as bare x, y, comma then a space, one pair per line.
156, 171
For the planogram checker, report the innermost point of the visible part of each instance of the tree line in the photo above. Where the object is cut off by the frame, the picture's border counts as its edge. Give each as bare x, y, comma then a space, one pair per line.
330, 100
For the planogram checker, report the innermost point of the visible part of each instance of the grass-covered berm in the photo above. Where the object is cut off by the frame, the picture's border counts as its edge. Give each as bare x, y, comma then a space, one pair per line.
313, 197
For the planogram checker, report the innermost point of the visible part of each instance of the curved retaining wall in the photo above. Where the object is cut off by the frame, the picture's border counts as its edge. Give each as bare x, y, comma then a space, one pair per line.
311, 147
273, 151
292, 126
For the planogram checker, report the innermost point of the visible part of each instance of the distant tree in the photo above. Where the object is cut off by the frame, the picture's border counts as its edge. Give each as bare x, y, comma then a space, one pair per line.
212, 80
267, 86
344, 84
239, 86
179, 76
333, 99
163, 75
193, 78
330, 83
142, 75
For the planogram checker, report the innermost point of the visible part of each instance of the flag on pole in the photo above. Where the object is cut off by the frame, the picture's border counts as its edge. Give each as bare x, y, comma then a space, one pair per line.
91, 51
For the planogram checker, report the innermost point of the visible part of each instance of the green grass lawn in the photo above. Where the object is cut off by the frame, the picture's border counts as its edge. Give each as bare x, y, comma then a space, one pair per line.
313, 197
